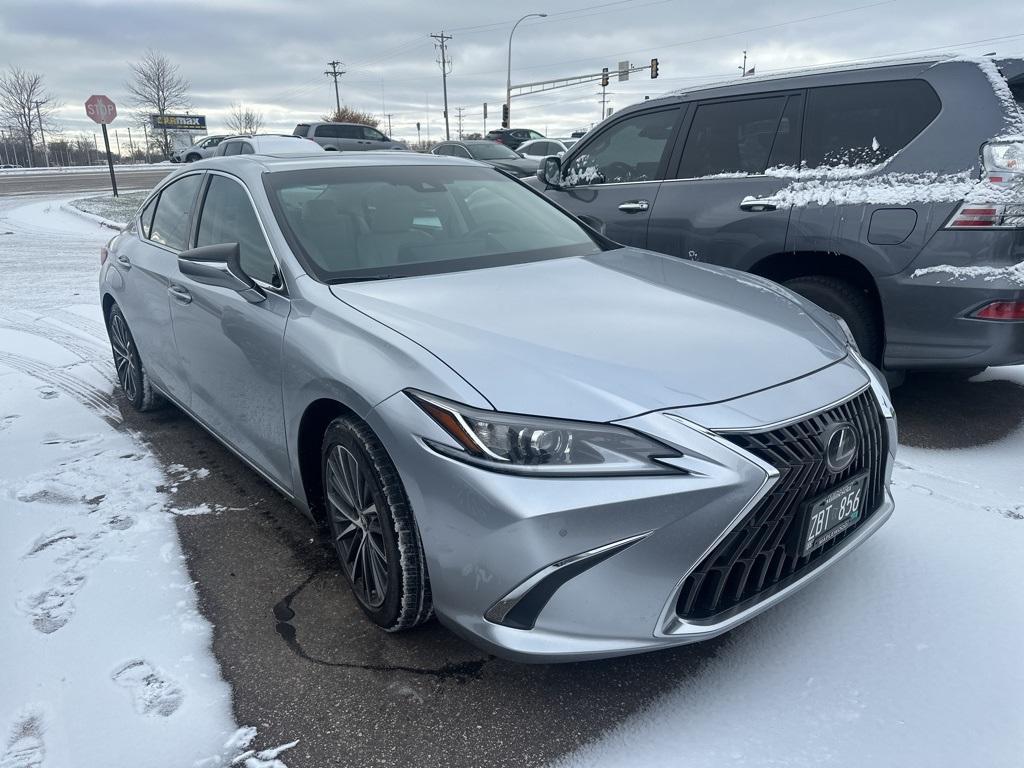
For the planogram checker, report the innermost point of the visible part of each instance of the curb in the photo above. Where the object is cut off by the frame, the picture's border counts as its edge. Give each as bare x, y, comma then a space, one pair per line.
69, 207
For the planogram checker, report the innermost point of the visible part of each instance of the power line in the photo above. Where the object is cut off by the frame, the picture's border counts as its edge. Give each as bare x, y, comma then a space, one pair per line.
335, 73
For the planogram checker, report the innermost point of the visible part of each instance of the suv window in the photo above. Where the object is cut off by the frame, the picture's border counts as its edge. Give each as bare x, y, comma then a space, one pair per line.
245, 148
373, 134
327, 132
535, 135
302, 129
731, 137
233, 148
173, 210
629, 150
227, 216
865, 123
444, 149
349, 132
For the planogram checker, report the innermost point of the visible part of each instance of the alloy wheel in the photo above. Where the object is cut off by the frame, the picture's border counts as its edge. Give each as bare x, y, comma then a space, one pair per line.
356, 526
125, 359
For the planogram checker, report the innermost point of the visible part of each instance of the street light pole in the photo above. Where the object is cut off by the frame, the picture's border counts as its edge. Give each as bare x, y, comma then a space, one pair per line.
508, 78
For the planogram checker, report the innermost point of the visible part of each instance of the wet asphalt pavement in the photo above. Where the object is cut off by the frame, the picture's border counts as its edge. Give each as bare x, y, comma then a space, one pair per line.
42, 182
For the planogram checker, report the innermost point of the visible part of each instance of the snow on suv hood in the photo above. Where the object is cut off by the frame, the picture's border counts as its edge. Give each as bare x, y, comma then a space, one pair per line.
606, 336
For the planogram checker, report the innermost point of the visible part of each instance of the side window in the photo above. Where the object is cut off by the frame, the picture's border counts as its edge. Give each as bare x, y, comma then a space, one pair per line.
233, 148
228, 217
786, 149
629, 150
173, 211
349, 132
146, 217
444, 149
245, 148
373, 134
731, 137
458, 151
534, 135
326, 132
301, 130
865, 123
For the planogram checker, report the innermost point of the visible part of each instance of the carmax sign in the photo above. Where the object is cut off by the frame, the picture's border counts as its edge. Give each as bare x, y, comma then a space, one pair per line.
178, 122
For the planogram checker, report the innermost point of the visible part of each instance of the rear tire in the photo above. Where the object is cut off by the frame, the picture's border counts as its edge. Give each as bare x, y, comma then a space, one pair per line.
372, 528
849, 302
131, 373
192, 158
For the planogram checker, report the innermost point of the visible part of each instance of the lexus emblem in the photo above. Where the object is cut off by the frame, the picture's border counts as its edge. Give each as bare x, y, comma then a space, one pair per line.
840, 446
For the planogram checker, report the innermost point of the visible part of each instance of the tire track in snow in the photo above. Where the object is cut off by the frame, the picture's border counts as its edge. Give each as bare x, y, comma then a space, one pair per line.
59, 378
92, 351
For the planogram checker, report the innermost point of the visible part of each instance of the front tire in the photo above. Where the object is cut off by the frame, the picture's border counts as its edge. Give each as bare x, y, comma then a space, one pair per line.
372, 527
850, 303
192, 158
131, 373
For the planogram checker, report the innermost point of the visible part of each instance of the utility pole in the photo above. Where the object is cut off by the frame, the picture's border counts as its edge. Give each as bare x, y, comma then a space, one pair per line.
442, 38
485, 118
42, 138
117, 140
145, 138
460, 110
131, 147
335, 73
389, 115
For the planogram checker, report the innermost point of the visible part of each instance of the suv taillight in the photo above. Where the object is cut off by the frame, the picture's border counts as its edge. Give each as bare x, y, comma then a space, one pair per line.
1001, 310
1003, 170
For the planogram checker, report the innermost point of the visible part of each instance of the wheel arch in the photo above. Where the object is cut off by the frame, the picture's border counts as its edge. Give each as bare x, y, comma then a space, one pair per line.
107, 301
781, 267
312, 426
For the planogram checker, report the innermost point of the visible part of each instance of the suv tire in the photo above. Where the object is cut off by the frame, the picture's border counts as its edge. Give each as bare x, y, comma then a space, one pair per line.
372, 527
850, 303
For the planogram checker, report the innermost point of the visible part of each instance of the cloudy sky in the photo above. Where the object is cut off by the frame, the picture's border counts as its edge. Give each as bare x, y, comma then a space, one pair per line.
271, 54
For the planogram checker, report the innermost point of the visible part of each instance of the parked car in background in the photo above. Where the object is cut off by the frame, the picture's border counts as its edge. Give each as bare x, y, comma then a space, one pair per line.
537, 149
512, 137
489, 152
451, 374
346, 137
197, 151
8, 166
863, 188
267, 144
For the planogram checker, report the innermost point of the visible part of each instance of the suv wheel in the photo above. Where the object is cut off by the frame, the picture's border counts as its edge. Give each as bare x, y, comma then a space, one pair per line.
131, 373
850, 303
192, 157
372, 527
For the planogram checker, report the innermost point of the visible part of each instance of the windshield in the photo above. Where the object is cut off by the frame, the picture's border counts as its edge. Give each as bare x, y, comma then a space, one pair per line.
491, 151
348, 224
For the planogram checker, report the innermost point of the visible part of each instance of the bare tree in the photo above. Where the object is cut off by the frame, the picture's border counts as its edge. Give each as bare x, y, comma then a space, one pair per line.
242, 119
24, 104
157, 87
348, 115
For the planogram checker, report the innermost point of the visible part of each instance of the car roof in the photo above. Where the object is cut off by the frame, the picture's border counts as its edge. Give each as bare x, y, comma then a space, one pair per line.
271, 163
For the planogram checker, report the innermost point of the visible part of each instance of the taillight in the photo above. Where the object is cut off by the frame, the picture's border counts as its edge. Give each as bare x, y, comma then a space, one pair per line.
1001, 310
104, 252
1003, 173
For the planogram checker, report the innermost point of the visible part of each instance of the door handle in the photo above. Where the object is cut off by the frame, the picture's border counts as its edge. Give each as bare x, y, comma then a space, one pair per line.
124, 261
180, 294
758, 204
634, 206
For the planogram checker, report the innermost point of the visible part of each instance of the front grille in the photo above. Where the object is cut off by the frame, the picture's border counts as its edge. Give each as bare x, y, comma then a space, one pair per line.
764, 547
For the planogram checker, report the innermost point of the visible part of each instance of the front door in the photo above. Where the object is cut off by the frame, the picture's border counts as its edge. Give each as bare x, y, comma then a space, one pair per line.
231, 348
717, 203
613, 177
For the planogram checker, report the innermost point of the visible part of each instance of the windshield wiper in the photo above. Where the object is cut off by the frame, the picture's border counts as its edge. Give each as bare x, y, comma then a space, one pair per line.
360, 279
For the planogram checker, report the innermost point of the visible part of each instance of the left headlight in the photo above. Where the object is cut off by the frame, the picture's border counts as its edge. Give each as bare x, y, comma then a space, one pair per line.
531, 445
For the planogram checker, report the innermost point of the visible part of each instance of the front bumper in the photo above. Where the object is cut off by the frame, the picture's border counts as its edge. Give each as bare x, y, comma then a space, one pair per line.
485, 534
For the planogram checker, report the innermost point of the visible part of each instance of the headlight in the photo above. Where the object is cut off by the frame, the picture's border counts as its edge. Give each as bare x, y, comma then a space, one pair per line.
530, 445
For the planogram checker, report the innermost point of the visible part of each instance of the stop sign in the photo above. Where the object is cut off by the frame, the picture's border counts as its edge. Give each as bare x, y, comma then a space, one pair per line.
101, 109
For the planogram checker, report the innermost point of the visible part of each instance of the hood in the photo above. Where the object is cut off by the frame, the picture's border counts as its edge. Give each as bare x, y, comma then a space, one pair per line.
606, 336
521, 167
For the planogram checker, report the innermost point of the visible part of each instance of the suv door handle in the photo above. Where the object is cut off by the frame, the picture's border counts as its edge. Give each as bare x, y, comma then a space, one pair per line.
634, 206
758, 204
124, 261
180, 294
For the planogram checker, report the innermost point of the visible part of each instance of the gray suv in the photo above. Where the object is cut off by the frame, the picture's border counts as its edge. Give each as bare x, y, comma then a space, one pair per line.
346, 137
891, 194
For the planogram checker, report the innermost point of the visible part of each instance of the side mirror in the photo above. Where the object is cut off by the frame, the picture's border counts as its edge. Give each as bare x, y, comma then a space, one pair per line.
550, 171
219, 266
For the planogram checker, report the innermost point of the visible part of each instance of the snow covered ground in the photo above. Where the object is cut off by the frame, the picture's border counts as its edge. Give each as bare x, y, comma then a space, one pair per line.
907, 654
106, 660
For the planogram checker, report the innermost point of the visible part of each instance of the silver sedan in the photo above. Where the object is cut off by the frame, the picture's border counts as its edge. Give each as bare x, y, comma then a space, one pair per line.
561, 447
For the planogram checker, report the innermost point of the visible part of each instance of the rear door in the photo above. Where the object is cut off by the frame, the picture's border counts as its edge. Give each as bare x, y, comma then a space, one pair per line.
614, 176
375, 139
148, 264
231, 348
717, 205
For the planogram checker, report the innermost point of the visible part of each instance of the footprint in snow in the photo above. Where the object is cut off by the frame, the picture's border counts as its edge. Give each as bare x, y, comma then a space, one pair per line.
47, 540
25, 747
6, 421
53, 607
153, 692
47, 393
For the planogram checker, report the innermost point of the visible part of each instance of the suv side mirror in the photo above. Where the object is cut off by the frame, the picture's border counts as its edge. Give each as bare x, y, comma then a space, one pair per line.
219, 266
550, 171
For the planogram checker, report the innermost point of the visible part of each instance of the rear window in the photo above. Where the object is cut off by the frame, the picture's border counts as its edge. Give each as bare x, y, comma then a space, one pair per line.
731, 137
865, 123
302, 129
350, 224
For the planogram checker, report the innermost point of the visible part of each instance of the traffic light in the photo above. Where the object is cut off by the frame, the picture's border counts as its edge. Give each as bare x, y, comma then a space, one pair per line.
604, 77
654, 68
504, 115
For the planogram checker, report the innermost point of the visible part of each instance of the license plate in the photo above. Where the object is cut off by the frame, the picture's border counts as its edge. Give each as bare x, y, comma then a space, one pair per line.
832, 513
